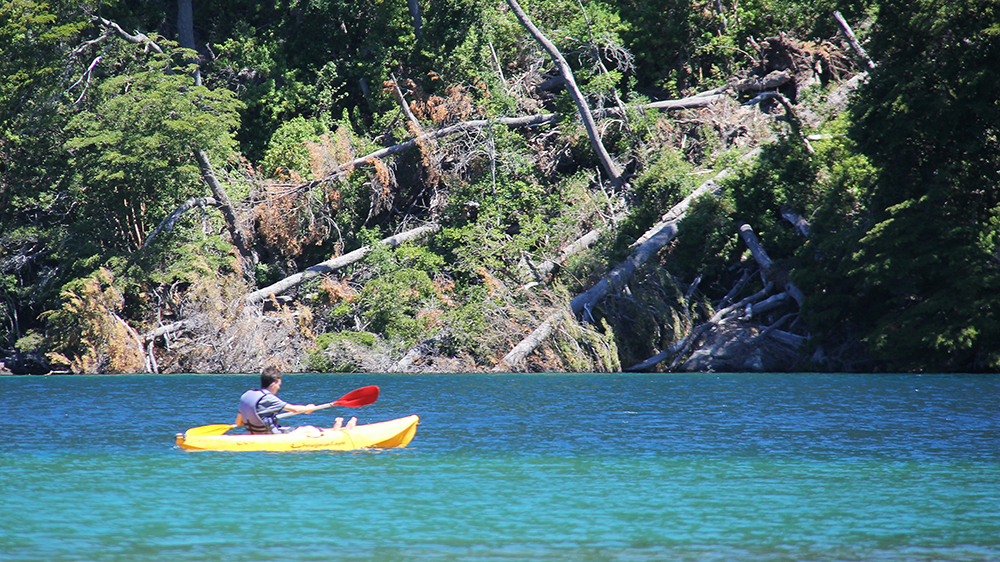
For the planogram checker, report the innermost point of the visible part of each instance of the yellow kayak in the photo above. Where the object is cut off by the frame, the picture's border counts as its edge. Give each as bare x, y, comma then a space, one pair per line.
392, 433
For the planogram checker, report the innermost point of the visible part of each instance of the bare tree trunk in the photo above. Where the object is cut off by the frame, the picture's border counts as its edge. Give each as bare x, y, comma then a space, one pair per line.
646, 246
171, 328
547, 268
336, 263
297, 279
766, 265
724, 28
240, 239
610, 167
415, 14
528, 344
801, 225
168, 223
405, 107
185, 32
852, 40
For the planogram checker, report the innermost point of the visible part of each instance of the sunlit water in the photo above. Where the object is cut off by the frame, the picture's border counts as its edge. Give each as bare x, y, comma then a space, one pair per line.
525, 467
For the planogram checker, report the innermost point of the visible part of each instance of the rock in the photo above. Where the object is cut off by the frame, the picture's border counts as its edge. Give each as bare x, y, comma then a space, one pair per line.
25, 364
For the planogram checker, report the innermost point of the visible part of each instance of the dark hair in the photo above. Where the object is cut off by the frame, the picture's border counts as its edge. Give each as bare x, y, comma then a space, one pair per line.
269, 376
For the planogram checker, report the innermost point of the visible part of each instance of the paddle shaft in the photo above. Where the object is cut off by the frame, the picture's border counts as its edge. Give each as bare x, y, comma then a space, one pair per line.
320, 407
353, 399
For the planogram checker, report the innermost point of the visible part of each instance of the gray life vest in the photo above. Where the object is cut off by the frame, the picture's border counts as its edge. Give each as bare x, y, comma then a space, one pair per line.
251, 419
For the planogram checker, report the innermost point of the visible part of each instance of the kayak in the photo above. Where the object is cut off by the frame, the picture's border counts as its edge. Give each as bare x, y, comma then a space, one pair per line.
387, 434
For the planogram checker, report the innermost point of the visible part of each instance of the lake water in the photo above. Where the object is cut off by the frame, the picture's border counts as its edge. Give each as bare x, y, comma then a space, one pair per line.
514, 467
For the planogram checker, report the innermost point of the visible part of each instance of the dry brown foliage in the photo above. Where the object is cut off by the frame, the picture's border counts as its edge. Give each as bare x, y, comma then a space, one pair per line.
91, 336
444, 288
383, 188
286, 222
493, 286
455, 106
337, 290
233, 338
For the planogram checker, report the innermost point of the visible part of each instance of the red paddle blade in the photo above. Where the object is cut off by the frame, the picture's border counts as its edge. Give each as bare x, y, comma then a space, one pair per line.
360, 397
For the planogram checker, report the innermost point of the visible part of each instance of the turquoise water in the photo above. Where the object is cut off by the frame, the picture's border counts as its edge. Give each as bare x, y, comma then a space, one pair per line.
525, 467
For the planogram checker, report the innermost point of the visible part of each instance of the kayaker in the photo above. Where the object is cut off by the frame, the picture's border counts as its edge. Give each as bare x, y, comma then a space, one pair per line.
259, 408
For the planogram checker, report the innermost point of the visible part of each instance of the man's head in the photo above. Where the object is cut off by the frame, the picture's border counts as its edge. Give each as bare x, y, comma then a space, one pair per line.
269, 376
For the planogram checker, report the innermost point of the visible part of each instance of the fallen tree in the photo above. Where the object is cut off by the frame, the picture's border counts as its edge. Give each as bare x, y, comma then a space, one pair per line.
528, 344
548, 268
293, 281
651, 242
692, 102
768, 270
682, 346
750, 307
647, 245
609, 165
336, 263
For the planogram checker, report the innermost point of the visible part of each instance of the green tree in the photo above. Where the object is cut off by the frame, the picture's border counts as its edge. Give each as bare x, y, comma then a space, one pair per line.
132, 149
33, 65
928, 269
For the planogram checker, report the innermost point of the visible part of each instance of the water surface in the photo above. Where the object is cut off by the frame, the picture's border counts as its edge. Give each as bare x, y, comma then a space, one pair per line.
514, 467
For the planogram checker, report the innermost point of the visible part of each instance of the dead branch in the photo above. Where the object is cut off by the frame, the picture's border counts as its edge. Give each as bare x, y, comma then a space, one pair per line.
801, 225
609, 165
405, 107
794, 341
167, 224
768, 304
692, 102
768, 270
138, 38
852, 40
528, 344
240, 239
334, 264
171, 328
747, 274
547, 269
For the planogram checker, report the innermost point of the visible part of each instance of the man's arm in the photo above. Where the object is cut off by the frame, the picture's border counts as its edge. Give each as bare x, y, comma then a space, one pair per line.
300, 409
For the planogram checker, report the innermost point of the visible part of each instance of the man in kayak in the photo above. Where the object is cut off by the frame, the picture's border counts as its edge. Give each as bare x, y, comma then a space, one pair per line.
259, 408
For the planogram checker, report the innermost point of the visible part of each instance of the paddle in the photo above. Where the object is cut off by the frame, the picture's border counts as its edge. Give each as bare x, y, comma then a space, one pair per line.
214, 429
353, 399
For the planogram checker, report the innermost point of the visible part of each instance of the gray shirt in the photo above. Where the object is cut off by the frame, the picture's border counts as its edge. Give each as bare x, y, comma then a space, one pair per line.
270, 405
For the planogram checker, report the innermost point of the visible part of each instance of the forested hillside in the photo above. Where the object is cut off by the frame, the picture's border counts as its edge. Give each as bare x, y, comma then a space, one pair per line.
488, 185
